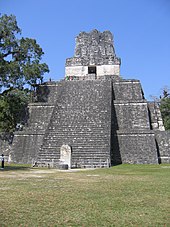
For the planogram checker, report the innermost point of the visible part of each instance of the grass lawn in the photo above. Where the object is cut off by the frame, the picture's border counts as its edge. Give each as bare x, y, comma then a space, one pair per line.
124, 195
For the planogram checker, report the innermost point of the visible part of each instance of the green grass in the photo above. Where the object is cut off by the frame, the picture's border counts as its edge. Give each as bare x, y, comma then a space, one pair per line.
124, 195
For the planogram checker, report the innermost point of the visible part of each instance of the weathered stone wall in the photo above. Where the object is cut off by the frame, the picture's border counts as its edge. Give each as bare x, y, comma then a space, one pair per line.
134, 147
107, 70
163, 145
79, 71
25, 147
26, 143
155, 116
5, 144
132, 115
93, 49
82, 71
132, 138
47, 93
127, 90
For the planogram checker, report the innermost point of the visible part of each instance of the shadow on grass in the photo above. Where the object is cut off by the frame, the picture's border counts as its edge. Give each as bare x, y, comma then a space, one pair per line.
14, 167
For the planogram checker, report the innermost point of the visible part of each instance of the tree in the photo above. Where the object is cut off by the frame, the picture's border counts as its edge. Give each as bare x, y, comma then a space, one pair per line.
165, 108
19, 58
20, 65
13, 109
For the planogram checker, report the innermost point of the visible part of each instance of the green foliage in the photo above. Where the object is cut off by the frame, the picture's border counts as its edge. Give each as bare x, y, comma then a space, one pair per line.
19, 57
20, 65
13, 109
165, 109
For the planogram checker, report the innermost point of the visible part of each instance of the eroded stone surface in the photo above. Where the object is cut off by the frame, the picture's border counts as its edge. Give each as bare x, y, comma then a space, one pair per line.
93, 49
65, 155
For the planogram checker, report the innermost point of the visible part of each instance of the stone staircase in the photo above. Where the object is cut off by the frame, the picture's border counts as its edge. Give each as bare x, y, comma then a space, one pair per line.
81, 119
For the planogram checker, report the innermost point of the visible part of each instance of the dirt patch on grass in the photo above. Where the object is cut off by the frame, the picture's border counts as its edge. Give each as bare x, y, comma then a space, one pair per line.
36, 173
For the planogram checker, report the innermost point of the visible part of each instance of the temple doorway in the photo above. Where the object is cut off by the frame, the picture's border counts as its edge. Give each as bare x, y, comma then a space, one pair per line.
92, 70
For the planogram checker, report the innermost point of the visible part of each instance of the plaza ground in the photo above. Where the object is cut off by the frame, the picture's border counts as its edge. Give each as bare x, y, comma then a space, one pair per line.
123, 195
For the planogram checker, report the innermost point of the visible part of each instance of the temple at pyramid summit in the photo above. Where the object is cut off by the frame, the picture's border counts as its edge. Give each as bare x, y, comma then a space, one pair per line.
94, 57
93, 118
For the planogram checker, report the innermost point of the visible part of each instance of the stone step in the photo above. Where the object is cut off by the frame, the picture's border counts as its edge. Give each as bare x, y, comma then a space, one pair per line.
85, 134
88, 129
76, 150
83, 161
78, 141
84, 124
75, 154
78, 136
100, 132
74, 163
83, 143
82, 165
90, 145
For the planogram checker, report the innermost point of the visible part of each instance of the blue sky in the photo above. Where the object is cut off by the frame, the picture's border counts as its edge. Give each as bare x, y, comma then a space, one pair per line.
141, 30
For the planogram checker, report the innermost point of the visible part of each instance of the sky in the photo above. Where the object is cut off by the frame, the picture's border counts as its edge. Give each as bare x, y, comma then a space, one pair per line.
141, 30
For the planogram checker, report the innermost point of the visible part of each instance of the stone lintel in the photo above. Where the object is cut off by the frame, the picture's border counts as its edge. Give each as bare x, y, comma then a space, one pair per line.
100, 70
